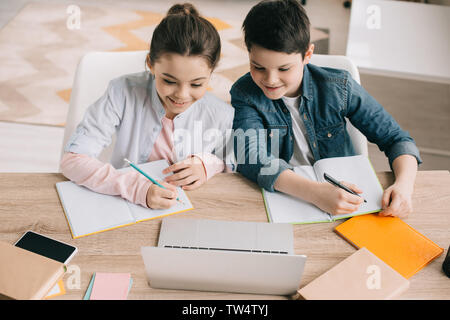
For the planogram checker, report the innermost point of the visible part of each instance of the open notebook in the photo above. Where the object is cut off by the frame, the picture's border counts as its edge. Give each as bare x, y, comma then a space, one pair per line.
89, 212
283, 208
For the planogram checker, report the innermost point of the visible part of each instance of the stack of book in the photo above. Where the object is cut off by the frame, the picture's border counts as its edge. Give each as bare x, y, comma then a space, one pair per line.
25, 275
390, 252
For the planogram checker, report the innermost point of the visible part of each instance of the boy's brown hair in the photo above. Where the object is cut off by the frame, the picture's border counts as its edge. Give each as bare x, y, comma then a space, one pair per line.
278, 25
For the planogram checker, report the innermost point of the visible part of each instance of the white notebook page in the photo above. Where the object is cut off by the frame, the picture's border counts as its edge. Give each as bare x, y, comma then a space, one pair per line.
88, 211
283, 208
356, 170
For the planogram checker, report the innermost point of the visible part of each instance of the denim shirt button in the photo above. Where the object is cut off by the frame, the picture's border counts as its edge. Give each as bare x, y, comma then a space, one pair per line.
314, 144
285, 110
304, 116
329, 135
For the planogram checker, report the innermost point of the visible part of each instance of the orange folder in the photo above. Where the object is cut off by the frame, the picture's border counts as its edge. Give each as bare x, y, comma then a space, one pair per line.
392, 240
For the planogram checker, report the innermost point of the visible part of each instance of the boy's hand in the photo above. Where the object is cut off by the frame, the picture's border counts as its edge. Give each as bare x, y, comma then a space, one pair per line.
189, 173
159, 198
397, 201
335, 200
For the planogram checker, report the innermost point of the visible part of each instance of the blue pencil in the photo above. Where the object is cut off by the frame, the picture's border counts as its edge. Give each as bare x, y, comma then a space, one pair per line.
147, 176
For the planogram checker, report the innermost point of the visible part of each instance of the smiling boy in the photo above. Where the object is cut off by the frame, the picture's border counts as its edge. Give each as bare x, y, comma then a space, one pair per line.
306, 106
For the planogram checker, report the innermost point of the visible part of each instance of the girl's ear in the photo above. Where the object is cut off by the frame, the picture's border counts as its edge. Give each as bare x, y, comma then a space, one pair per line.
308, 54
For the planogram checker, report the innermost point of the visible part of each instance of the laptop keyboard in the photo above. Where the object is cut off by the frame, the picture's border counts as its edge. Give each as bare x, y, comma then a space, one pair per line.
222, 249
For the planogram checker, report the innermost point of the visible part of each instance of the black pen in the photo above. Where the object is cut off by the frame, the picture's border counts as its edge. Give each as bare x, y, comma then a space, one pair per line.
337, 184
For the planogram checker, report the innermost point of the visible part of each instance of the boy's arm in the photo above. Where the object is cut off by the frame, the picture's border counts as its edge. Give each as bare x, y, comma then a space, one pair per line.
322, 194
405, 170
367, 115
295, 185
379, 127
250, 144
397, 199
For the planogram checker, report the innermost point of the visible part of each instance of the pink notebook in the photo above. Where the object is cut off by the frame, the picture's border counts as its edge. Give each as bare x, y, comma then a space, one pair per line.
110, 286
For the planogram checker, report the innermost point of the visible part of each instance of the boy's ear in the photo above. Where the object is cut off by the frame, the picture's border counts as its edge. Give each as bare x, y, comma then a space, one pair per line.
308, 54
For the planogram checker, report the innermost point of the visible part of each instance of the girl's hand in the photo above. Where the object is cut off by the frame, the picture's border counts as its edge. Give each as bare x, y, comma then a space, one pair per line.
397, 200
159, 198
189, 173
335, 200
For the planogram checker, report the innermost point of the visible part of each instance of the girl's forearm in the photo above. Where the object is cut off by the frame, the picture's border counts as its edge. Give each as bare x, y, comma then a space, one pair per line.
104, 178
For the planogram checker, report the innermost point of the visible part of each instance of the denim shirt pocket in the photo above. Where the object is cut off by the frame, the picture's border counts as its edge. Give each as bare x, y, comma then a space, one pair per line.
275, 137
331, 140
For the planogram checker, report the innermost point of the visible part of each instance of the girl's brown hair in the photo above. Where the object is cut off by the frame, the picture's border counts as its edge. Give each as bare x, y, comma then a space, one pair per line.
185, 32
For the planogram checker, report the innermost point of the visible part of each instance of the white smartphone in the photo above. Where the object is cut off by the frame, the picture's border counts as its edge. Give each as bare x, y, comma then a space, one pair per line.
47, 247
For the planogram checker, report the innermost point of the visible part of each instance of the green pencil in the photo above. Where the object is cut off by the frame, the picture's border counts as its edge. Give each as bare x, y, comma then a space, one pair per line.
147, 176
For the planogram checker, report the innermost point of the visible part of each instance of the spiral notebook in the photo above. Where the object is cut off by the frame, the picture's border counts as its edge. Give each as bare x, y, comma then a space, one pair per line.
89, 212
283, 208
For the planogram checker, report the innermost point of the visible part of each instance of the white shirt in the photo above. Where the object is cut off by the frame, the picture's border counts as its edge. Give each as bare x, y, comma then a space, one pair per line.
131, 109
302, 153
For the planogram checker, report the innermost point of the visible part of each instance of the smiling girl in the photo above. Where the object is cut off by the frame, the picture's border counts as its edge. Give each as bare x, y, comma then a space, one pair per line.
157, 115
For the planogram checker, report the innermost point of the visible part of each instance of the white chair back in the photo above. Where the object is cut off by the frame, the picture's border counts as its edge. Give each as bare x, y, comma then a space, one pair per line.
93, 74
359, 141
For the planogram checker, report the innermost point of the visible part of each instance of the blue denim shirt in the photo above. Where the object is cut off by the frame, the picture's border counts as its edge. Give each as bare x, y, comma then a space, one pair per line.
328, 96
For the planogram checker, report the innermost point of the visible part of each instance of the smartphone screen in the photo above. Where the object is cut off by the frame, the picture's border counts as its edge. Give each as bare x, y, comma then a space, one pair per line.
46, 247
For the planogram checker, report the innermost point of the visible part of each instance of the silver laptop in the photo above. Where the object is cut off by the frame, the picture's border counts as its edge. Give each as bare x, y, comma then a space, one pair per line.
227, 256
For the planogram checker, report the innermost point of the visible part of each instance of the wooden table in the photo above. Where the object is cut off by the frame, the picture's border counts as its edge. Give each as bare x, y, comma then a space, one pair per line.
30, 202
